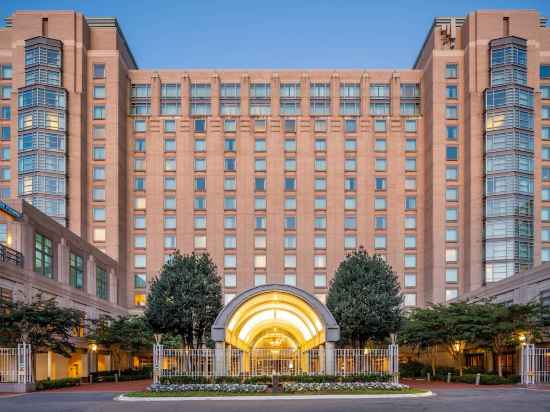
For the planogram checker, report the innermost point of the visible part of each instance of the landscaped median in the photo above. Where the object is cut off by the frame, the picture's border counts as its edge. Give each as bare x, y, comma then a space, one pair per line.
362, 386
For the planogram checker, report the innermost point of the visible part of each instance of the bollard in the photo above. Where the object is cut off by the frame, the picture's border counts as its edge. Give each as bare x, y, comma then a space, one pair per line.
274, 383
428, 377
478, 377
449, 377
116, 377
91, 378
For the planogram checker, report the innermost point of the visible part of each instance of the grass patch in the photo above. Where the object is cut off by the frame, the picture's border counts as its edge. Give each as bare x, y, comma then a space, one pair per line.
147, 394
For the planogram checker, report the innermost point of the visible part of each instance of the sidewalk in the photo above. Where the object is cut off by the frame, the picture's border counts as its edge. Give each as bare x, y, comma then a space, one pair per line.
130, 386
435, 385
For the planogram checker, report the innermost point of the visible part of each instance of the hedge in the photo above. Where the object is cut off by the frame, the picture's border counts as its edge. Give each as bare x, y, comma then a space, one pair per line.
267, 379
46, 384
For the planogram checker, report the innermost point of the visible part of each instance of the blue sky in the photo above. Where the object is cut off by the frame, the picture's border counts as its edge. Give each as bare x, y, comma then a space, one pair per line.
274, 33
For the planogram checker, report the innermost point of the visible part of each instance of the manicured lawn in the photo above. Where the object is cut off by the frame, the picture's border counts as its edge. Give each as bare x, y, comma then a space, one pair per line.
147, 394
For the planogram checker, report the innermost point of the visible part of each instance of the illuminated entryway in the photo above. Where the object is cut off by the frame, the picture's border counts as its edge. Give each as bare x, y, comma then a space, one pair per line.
275, 328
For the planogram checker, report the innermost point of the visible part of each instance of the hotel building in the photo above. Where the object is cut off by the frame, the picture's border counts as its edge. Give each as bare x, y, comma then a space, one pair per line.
442, 168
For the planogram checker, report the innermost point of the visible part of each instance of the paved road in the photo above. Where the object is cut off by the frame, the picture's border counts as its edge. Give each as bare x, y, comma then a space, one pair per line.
485, 400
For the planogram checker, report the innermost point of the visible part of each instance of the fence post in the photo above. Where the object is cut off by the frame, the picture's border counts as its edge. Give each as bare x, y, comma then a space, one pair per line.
528, 364
24, 363
393, 362
158, 352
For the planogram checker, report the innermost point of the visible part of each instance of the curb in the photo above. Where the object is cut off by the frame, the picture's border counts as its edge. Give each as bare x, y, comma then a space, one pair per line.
125, 398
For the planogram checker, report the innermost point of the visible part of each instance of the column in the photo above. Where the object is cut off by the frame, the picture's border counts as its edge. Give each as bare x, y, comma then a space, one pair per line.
62, 261
219, 359
113, 287
90, 274
329, 358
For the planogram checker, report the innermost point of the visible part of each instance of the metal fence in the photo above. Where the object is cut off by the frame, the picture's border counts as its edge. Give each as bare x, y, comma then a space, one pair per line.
535, 365
260, 362
361, 361
15, 364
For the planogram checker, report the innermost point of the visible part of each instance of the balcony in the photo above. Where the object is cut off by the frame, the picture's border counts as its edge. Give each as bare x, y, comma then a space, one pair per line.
9, 255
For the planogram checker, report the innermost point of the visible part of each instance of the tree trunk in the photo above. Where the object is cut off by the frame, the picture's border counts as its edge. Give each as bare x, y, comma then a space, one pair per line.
499, 364
433, 364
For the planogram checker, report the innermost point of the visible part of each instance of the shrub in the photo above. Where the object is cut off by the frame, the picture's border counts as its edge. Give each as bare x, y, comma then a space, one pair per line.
256, 380
487, 379
209, 387
298, 387
182, 380
412, 369
46, 384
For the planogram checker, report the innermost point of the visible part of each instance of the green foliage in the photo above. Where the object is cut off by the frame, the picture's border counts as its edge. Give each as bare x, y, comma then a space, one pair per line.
42, 323
487, 379
412, 369
178, 380
364, 298
186, 298
124, 375
46, 384
267, 379
126, 333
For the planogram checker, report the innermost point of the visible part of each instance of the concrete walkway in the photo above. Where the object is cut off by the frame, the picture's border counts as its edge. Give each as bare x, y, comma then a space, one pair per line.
120, 387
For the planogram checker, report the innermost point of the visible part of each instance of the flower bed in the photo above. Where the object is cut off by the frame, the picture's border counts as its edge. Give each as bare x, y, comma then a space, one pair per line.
209, 387
341, 386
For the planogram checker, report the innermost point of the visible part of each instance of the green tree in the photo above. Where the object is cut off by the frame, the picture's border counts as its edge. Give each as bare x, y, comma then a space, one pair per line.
185, 298
125, 334
364, 298
504, 325
42, 323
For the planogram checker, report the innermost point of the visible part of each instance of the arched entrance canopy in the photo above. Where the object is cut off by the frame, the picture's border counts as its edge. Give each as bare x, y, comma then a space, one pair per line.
277, 312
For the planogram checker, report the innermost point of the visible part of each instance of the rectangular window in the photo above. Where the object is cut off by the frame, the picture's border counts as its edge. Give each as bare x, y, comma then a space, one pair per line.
102, 283
452, 132
99, 71
76, 271
452, 153
451, 71
452, 92
451, 111
545, 71
43, 256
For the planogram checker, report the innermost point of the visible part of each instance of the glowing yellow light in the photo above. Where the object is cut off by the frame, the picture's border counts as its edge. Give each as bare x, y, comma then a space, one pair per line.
277, 315
93, 347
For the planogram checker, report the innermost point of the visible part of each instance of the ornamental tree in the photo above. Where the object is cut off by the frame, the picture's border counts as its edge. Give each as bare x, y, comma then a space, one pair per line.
125, 334
364, 298
42, 323
185, 298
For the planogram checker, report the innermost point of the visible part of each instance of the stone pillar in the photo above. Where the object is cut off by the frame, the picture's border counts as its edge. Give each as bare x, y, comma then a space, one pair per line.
215, 96
62, 261
219, 359
90, 275
155, 94
322, 359
113, 289
329, 358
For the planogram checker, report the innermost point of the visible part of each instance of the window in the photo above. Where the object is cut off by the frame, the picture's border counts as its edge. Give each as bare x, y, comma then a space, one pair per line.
545, 71
260, 242
451, 235
380, 242
409, 299
320, 125
451, 215
229, 145
452, 92
5, 133
451, 194
410, 183
43, 256
451, 255
290, 125
350, 125
260, 222
290, 184
99, 71
451, 294
102, 283
451, 71
410, 164
99, 92
410, 242
349, 145
98, 173
290, 145
229, 203
199, 242
452, 132
380, 222
451, 173
140, 241
98, 194
451, 111
320, 280
410, 222
379, 203
319, 261
380, 145
290, 262
320, 242
139, 145
410, 280
170, 222
140, 125
379, 125
260, 164
410, 202
320, 222
320, 202
260, 203
229, 183
451, 275
410, 145
290, 242
140, 281
76, 271
139, 183
380, 165
260, 279
99, 153
200, 125
410, 126
259, 184
99, 214
452, 153
350, 222
5, 71
290, 279
380, 183
230, 280
260, 145
410, 261
100, 112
